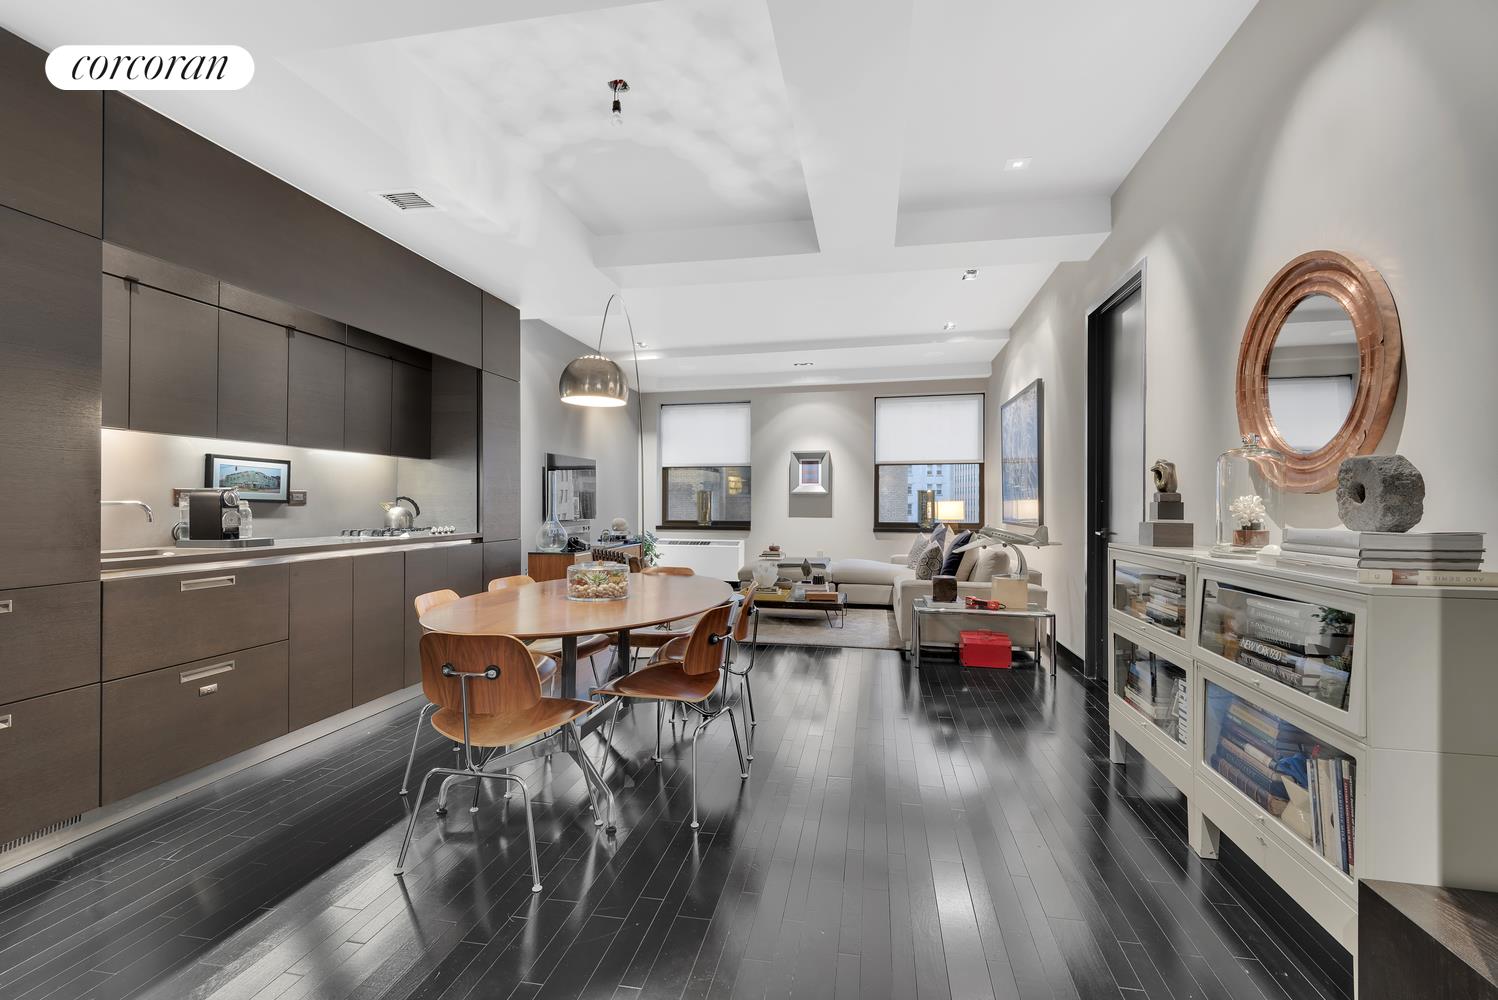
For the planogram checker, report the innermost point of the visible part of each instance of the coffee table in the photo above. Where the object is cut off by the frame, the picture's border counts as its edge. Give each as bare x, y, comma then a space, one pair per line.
835, 608
1034, 613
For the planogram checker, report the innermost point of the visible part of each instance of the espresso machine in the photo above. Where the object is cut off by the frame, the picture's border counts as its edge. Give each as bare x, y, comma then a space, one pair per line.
213, 520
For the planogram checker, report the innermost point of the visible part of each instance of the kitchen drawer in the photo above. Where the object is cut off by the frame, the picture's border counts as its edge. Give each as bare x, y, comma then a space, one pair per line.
49, 640
159, 725
49, 760
156, 621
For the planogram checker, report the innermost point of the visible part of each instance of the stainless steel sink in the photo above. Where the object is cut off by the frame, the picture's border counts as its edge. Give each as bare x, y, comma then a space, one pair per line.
118, 555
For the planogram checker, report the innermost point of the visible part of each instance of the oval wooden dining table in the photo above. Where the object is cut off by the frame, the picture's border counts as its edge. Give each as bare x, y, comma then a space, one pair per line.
542, 611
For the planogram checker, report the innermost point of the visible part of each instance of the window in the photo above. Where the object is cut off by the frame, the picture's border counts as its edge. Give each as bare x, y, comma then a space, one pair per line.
705, 459
927, 443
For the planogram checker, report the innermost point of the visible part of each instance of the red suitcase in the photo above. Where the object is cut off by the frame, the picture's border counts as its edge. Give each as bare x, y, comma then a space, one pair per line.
985, 649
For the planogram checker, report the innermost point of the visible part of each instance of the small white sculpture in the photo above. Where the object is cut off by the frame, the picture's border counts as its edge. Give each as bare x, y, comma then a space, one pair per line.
1249, 512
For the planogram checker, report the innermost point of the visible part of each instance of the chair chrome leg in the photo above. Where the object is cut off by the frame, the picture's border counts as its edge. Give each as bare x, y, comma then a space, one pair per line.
608, 741
659, 712
421, 718
478, 786
530, 826
749, 729
400, 861
696, 733
749, 700
595, 779
479, 776
743, 765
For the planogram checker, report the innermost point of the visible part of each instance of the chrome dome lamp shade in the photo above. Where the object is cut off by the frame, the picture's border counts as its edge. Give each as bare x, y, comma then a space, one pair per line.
593, 380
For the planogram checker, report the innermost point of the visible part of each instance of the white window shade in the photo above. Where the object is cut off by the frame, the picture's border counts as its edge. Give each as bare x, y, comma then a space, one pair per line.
914, 429
704, 434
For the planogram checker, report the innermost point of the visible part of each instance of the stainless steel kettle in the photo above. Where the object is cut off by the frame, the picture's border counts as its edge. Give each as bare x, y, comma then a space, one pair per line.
400, 513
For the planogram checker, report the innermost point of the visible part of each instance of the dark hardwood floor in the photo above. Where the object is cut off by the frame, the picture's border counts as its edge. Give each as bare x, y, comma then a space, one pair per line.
944, 834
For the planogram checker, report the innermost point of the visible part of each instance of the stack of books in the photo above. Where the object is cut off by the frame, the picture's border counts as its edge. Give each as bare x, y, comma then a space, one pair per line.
1249, 743
1332, 809
1165, 601
1425, 558
1152, 691
1182, 712
1300, 645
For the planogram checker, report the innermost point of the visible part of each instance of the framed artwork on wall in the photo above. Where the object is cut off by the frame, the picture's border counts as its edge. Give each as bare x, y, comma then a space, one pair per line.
261, 479
809, 473
1022, 440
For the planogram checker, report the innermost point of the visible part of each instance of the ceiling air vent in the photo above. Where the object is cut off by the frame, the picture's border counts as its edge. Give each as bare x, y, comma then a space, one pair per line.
406, 200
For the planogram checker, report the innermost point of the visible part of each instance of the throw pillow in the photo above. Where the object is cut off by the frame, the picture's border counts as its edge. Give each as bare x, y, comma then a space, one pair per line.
969, 560
951, 558
929, 562
916, 548
993, 562
939, 536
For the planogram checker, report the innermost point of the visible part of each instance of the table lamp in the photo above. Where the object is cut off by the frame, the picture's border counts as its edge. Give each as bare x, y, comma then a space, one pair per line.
952, 512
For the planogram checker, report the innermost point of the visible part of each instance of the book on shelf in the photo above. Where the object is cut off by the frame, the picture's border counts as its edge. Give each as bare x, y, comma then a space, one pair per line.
1443, 560
1409, 541
1332, 550
1445, 578
1182, 702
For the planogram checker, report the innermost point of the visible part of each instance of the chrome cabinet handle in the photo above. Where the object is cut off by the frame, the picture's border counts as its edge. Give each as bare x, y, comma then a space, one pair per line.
207, 583
5, 722
5, 607
207, 689
188, 676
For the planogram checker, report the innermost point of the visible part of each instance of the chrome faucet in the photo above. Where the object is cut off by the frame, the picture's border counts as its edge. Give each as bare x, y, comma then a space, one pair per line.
150, 516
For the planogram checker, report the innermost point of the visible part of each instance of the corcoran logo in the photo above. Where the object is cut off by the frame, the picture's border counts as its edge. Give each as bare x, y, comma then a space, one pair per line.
149, 67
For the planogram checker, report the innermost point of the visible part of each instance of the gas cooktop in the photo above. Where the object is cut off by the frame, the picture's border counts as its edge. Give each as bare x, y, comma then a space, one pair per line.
438, 529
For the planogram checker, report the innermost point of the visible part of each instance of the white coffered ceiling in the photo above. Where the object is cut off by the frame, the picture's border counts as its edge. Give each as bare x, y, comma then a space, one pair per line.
794, 181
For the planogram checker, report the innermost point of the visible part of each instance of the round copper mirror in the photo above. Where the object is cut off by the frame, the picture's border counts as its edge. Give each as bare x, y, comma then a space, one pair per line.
1319, 365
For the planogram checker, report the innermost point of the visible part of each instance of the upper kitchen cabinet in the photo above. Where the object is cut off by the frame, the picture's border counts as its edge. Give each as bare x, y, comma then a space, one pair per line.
501, 337
366, 402
173, 363
411, 411
173, 194
499, 463
280, 313
315, 385
52, 139
252, 373
49, 379
116, 356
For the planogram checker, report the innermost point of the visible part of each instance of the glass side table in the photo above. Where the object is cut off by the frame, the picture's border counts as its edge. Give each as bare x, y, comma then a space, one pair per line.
1038, 617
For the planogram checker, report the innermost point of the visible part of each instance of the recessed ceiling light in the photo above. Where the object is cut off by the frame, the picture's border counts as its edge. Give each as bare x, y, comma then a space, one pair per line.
971, 274
1017, 163
949, 325
639, 343
802, 364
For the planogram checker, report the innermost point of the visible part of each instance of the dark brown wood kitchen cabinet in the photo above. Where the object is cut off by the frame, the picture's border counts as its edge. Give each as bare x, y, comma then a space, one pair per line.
50, 384
52, 166
49, 639
501, 337
426, 571
379, 624
366, 402
49, 758
159, 725
322, 639
411, 411
499, 459
252, 357
115, 361
314, 405
156, 621
173, 363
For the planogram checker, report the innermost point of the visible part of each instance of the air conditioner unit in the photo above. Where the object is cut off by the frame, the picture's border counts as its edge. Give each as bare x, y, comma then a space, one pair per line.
718, 559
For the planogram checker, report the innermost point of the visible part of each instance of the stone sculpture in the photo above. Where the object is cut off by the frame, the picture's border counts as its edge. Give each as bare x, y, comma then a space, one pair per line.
1380, 493
1165, 476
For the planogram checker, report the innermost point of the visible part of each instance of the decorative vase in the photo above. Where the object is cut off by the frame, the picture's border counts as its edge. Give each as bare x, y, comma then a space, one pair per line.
704, 508
552, 537
1248, 497
766, 573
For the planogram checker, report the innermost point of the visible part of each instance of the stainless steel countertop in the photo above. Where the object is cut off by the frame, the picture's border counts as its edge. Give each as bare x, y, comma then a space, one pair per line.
122, 564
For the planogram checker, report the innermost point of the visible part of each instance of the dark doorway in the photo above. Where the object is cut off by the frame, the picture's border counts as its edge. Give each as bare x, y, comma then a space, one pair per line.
1115, 448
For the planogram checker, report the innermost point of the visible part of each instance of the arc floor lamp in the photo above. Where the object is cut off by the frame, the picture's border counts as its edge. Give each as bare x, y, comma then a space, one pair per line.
596, 380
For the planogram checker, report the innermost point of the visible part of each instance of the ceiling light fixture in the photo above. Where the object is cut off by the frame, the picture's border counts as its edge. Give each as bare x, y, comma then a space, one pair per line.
594, 380
949, 326
616, 112
1017, 163
639, 343
971, 274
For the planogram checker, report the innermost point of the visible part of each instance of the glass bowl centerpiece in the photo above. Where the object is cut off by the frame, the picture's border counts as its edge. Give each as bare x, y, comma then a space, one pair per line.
597, 581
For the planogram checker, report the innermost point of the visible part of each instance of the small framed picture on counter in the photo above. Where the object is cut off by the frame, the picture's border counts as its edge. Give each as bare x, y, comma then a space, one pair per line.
267, 480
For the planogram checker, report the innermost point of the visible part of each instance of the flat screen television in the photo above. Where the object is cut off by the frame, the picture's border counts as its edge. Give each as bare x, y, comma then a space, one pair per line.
571, 489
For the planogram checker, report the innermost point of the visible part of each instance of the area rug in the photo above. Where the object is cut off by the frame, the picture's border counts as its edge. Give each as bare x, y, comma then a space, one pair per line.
865, 628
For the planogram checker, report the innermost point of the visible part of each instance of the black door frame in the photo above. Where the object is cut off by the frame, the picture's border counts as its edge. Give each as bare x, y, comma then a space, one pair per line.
1099, 418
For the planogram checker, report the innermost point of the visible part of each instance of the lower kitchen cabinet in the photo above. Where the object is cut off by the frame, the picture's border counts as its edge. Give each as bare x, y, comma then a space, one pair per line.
49, 639
458, 568
379, 623
160, 725
322, 640
49, 760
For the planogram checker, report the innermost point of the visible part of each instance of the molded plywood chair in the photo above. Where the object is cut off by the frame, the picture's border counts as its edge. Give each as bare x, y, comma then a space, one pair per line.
656, 636
690, 681
488, 695
738, 627
588, 646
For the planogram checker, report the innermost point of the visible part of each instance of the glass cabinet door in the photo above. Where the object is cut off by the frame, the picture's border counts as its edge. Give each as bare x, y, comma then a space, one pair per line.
1302, 645
1154, 686
1151, 595
1305, 783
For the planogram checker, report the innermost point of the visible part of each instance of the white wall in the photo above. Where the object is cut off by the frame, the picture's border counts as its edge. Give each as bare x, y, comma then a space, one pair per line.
837, 419
1351, 125
343, 489
608, 436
